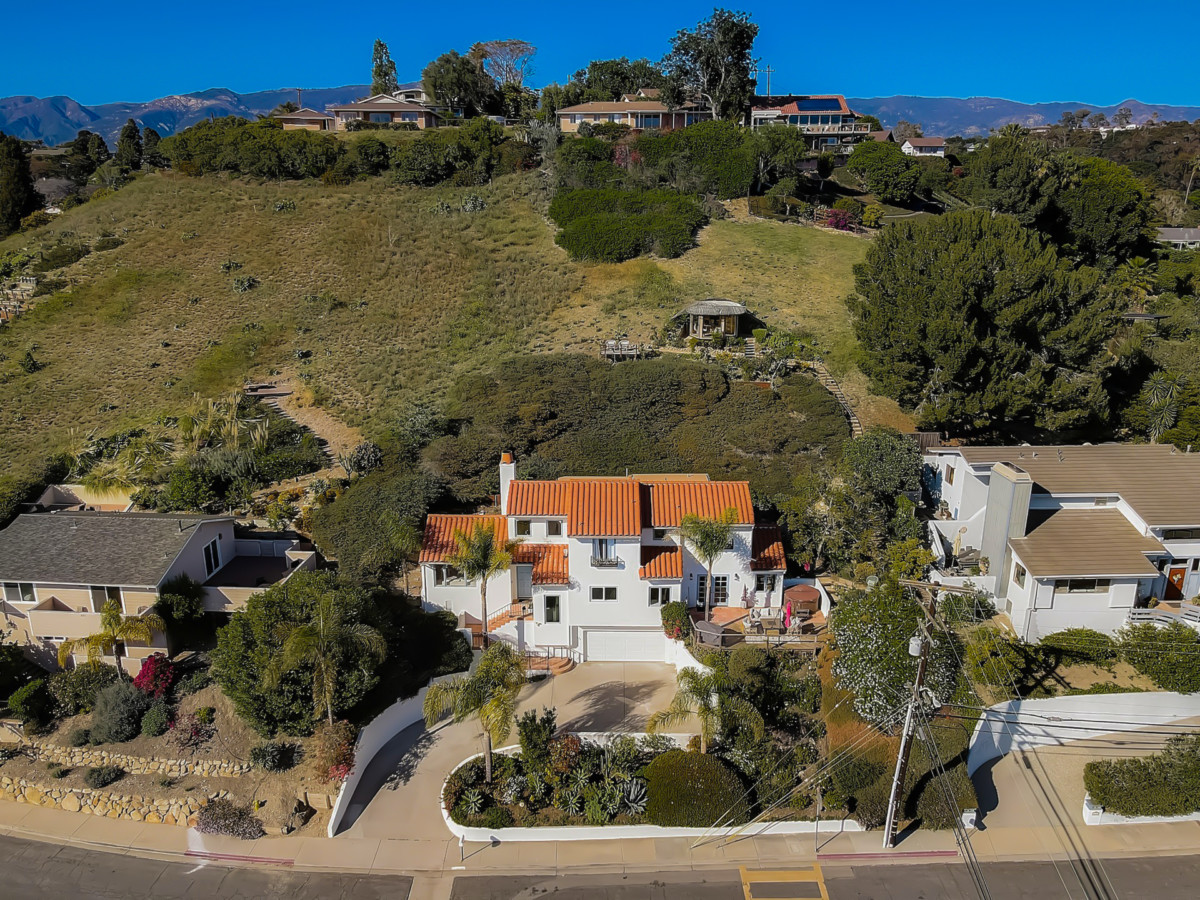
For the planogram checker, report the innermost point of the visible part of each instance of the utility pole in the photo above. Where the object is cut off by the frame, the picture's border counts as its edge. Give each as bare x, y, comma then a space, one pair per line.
919, 646
766, 70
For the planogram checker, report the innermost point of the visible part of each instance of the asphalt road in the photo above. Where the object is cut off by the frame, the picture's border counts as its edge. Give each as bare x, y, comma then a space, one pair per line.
32, 870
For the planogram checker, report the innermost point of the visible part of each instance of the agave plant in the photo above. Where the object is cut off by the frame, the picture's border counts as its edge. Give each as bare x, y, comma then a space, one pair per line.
570, 801
472, 801
635, 796
513, 788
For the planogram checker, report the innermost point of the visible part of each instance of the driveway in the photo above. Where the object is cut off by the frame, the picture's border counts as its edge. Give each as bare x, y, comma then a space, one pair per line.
399, 795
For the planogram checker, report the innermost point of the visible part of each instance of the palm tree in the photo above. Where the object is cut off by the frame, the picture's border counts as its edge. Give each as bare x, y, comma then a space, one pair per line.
1137, 277
399, 540
115, 629
708, 539
489, 694
704, 694
1162, 393
328, 637
482, 554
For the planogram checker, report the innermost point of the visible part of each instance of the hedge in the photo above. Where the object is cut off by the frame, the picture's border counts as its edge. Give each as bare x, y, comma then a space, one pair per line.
693, 790
1165, 784
1166, 654
1084, 644
612, 225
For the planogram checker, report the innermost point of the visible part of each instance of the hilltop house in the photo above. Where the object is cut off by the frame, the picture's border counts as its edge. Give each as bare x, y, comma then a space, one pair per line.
598, 559
1070, 536
643, 109
1180, 238
826, 119
384, 109
305, 119
924, 146
58, 569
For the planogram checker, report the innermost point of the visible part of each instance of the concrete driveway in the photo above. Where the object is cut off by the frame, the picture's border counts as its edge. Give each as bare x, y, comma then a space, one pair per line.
399, 795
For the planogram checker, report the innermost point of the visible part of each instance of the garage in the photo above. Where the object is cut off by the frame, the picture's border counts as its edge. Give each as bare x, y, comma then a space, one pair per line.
624, 645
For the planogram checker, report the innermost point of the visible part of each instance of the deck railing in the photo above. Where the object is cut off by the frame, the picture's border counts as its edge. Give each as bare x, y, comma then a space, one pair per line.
1187, 613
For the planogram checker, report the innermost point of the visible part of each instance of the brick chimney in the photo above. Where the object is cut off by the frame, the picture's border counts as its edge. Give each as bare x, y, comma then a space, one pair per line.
508, 471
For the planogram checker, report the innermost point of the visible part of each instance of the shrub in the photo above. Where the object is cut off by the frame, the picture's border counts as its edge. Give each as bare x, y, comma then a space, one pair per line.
1166, 654
155, 677
1164, 784
274, 756
107, 243
75, 691
872, 216
226, 817
36, 219
205, 715
535, 733
871, 804
497, 817
333, 757
995, 659
612, 225
1083, 644
191, 733
79, 737
57, 770
157, 719
849, 776
32, 703
118, 713
196, 681
693, 790
677, 623
102, 776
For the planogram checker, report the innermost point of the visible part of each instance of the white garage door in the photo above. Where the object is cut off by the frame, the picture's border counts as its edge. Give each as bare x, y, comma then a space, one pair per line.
625, 645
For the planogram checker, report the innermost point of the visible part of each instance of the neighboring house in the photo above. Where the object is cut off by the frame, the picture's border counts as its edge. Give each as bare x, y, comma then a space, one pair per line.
384, 109
58, 497
598, 559
413, 92
826, 119
1071, 536
882, 137
924, 146
305, 119
1180, 238
57, 570
641, 110
705, 317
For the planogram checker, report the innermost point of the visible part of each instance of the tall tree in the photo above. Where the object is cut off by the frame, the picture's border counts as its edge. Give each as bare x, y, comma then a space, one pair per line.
507, 62
489, 694
383, 70
708, 539
706, 696
1100, 213
714, 60
884, 170
151, 154
1122, 117
395, 543
458, 82
18, 197
482, 554
129, 146
608, 79
323, 644
905, 130
116, 629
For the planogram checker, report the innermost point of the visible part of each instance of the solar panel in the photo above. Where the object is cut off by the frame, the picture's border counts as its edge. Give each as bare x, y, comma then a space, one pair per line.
818, 104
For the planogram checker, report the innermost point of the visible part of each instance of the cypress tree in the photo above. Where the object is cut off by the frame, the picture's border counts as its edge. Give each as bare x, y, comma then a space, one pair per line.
151, 155
383, 71
129, 146
18, 198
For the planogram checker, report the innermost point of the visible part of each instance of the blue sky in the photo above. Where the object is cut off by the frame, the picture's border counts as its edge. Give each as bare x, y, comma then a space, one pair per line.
1095, 52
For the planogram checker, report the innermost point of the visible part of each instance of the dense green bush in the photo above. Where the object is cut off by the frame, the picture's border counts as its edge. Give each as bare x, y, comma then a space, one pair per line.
79, 737
611, 225
75, 690
693, 790
274, 756
157, 719
1164, 784
195, 681
677, 623
535, 733
60, 255
262, 149
226, 817
994, 658
32, 703
118, 713
1083, 644
1169, 654
714, 157
871, 803
848, 776
102, 776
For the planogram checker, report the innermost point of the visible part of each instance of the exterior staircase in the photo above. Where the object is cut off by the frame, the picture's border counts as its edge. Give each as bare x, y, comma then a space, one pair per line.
751, 348
511, 613
552, 665
827, 381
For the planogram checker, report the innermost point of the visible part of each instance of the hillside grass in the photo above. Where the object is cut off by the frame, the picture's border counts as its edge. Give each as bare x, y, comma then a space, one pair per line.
406, 300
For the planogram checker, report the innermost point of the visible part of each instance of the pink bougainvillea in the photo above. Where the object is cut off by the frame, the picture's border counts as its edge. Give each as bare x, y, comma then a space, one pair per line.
156, 676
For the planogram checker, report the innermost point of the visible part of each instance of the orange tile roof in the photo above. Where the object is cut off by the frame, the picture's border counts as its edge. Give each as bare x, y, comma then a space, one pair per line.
670, 501
661, 562
538, 498
439, 533
608, 507
766, 549
549, 562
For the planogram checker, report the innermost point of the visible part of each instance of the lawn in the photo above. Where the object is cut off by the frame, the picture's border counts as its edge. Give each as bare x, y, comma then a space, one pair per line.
368, 294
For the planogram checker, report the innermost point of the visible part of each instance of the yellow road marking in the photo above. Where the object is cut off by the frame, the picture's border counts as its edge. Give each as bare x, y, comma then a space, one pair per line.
810, 875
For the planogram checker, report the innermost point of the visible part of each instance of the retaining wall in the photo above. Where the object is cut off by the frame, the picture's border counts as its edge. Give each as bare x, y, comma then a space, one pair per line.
112, 804
137, 765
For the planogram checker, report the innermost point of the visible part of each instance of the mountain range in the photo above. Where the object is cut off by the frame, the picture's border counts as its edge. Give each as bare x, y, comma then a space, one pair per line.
58, 119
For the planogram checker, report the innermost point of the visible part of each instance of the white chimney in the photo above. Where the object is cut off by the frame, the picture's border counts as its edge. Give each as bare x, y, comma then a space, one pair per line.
508, 471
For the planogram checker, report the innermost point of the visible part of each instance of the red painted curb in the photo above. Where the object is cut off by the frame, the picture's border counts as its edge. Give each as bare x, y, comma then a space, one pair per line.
915, 854
229, 857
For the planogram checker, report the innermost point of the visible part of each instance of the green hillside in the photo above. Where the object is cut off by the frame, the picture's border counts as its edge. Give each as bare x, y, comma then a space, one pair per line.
368, 292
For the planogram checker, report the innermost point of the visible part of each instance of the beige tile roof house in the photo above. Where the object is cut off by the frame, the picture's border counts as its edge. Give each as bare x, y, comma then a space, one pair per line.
641, 110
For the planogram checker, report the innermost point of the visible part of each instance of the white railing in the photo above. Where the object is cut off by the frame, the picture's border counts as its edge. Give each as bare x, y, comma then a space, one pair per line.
1188, 614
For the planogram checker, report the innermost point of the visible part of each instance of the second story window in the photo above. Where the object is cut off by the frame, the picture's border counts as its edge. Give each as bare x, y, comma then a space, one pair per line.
604, 552
1019, 574
22, 592
554, 528
522, 528
660, 596
212, 558
604, 595
660, 534
553, 609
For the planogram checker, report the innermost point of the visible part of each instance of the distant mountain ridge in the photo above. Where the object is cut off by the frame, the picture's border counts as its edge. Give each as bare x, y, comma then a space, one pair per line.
949, 116
58, 119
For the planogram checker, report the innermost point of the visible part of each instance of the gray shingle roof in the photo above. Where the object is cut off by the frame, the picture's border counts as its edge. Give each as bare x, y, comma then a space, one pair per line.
116, 549
715, 308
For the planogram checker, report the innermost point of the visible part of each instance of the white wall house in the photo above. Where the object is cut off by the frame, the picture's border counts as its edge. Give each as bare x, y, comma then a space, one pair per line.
58, 569
1071, 536
924, 146
598, 558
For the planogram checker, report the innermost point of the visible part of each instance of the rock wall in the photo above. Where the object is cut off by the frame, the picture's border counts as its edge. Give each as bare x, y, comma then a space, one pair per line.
107, 803
76, 757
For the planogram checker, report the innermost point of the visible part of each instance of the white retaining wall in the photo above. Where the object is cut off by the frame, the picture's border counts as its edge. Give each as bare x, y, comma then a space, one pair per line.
1094, 814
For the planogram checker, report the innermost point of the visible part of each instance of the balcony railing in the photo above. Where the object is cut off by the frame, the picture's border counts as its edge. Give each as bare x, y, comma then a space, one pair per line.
604, 562
1186, 613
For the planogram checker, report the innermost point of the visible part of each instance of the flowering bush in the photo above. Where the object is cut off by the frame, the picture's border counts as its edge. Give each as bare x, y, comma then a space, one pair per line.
191, 733
841, 219
334, 756
156, 676
676, 621
226, 817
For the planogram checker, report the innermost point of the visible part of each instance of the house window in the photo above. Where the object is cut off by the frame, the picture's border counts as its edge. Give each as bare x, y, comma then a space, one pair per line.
1100, 501
212, 558
660, 534
522, 528
720, 589
1018, 575
764, 583
660, 596
1181, 534
1082, 586
604, 594
649, 121
19, 592
949, 474
554, 528
604, 552
553, 609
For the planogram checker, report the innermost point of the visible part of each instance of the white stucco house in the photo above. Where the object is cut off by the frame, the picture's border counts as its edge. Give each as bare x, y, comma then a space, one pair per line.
1071, 536
597, 560
924, 146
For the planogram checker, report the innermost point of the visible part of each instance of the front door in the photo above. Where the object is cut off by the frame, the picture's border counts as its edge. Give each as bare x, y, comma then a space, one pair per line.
1175, 577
